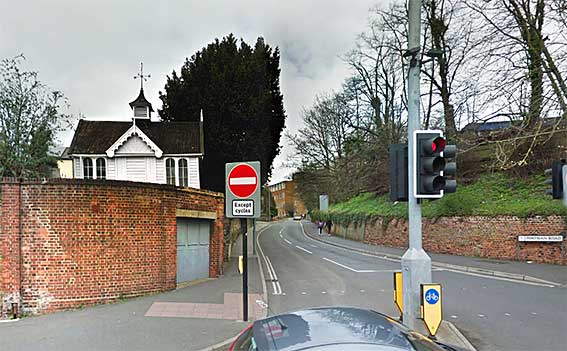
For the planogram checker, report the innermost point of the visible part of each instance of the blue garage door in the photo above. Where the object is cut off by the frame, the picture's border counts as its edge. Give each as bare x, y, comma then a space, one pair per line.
192, 249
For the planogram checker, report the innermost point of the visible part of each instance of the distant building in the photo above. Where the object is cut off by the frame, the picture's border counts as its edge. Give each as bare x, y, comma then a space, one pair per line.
141, 150
286, 199
65, 165
488, 128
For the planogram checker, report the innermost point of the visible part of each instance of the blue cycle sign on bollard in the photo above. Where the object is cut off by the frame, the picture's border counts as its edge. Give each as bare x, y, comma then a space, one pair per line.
431, 307
431, 296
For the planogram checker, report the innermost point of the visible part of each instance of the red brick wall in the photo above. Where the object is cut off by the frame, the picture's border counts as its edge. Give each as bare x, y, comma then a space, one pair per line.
86, 242
9, 248
490, 237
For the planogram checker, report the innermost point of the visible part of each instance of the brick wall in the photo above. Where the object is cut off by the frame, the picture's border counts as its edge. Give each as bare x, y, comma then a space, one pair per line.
86, 242
489, 237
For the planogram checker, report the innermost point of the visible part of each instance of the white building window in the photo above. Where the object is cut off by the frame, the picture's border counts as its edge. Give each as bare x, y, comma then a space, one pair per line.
87, 168
170, 171
100, 168
183, 172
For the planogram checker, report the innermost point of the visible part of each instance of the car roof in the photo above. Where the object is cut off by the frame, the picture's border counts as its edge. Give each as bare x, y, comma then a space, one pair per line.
313, 328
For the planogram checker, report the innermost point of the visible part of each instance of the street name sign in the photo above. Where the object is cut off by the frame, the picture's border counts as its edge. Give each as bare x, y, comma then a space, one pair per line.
431, 307
540, 238
242, 191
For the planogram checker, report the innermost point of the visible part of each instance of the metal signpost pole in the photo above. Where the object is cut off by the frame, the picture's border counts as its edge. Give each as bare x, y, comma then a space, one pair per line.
243, 200
416, 264
245, 276
254, 236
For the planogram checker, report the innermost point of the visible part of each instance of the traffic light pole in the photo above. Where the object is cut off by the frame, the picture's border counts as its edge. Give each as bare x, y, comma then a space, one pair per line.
416, 264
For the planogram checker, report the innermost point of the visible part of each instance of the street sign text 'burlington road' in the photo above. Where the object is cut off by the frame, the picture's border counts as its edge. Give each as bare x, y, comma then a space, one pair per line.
243, 190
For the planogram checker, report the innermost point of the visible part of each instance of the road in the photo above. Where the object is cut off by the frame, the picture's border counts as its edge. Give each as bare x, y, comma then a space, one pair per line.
494, 314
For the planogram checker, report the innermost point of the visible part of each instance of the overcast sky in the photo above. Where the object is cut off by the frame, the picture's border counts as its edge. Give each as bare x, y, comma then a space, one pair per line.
91, 50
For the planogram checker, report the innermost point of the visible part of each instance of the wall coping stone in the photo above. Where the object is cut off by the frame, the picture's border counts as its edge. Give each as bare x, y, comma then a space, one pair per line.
93, 182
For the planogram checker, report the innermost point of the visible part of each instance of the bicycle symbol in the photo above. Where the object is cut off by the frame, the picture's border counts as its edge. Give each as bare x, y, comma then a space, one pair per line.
431, 296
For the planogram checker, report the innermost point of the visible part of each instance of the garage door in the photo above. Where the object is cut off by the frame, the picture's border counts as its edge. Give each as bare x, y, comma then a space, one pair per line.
192, 249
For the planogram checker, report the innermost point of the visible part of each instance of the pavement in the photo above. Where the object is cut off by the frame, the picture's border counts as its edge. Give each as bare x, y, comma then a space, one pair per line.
537, 272
491, 312
192, 318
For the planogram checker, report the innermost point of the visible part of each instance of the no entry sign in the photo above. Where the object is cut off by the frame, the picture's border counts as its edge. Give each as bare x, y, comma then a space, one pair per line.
243, 190
242, 180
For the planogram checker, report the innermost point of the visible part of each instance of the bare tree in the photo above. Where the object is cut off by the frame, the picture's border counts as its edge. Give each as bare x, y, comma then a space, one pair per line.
379, 81
450, 40
520, 57
30, 116
523, 79
326, 128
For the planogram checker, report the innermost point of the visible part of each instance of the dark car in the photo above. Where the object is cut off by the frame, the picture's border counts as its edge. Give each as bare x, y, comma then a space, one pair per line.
334, 328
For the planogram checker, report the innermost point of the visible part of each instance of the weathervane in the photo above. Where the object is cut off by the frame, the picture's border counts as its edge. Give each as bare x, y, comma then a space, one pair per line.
142, 76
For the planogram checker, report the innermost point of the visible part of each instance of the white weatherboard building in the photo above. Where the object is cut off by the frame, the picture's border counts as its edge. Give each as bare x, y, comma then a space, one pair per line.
140, 150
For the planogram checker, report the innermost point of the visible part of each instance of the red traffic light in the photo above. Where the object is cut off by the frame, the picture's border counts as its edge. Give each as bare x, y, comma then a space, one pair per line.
438, 144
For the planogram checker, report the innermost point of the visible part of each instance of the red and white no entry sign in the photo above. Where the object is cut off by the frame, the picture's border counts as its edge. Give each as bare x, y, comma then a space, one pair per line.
242, 180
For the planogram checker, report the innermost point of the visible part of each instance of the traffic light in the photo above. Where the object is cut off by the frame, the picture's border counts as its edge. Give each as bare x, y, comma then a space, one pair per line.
399, 172
555, 178
431, 169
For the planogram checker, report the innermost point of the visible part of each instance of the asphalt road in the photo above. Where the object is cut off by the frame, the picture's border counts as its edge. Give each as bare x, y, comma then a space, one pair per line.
494, 314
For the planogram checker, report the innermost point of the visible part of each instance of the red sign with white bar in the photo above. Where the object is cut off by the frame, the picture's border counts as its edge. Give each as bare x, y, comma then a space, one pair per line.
242, 181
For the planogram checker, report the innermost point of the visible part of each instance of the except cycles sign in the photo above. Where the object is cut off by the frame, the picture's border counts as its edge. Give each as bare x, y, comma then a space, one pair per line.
243, 190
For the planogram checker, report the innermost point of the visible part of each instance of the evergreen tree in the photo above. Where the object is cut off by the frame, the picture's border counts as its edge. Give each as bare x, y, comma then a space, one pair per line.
237, 88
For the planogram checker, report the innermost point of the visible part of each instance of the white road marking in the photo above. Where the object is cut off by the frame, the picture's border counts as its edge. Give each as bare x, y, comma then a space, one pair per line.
287, 241
305, 250
303, 293
362, 290
534, 313
440, 269
358, 270
272, 279
454, 317
275, 284
323, 292
507, 314
339, 264
481, 315
242, 181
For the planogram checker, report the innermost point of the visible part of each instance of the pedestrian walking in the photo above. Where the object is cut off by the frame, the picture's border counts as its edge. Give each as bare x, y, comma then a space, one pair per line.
320, 226
329, 224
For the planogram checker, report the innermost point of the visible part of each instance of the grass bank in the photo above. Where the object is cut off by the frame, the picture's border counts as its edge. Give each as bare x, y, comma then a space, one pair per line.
492, 195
